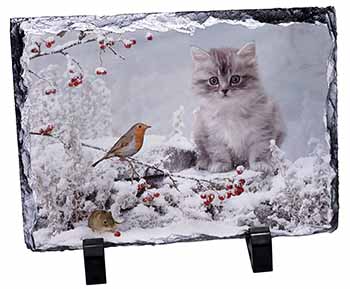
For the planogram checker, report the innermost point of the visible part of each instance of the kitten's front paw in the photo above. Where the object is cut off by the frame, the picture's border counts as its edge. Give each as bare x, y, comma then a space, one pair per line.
220, 167
202, 164
261, 166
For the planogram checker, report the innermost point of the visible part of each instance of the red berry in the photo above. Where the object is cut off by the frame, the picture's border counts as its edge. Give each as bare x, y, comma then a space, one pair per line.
229, 195
140, 187
145, 200
211, 197
207, 203
101, 42
242, 182
240, 170
156, 195
238, 191
221, 198
98, 72
48, 44
149, 36
133, 41
34, 50
203, 196
237, 186
127, 45
102, 46
117, 234
229, 187
53, 90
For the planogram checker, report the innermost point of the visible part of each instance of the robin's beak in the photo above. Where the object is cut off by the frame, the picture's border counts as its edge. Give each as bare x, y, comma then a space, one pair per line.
148, 126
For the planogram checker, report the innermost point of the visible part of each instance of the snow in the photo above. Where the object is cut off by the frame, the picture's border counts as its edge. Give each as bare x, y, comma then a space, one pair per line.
180, 214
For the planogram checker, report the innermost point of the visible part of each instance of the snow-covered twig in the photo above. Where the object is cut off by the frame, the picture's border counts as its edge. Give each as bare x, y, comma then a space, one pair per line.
61, 49
116, 53
73, 60
212, 185
50, 135
39, 77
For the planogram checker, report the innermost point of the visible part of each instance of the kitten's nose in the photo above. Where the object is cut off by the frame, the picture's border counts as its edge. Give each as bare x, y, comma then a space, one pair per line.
224, 91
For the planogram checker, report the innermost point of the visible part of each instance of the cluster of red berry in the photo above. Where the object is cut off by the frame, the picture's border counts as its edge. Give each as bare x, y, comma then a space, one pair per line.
129, 42
117, 234
151, 197
46, 131
50, 90
103, 43
75, 81
35, 48
208, 199
235, 189
101, 71
49, 42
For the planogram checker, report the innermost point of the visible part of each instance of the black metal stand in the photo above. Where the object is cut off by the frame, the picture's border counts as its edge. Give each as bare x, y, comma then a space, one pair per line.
259, 243
94, 260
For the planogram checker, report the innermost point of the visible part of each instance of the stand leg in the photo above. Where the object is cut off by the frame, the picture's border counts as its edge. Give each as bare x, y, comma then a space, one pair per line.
94, 260
259, 243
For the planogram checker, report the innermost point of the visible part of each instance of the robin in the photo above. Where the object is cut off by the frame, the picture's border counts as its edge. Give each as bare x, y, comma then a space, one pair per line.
129, 144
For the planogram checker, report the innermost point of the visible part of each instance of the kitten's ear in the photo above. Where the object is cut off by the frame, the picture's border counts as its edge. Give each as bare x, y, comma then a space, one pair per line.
199, 54
248, 49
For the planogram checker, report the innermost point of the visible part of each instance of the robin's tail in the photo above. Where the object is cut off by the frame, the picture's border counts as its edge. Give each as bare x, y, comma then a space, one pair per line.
97, 162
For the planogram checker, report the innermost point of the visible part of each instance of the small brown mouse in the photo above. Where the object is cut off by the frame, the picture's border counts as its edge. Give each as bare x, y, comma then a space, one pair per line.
102, 221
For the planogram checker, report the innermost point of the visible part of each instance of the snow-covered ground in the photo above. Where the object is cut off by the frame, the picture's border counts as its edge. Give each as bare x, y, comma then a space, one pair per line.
295, 201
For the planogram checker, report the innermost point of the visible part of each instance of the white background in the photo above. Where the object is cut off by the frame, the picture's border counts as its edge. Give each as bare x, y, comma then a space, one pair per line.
319, 261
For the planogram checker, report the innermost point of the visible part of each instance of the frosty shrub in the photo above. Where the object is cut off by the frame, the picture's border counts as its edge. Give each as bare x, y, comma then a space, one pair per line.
303, 200
64, 180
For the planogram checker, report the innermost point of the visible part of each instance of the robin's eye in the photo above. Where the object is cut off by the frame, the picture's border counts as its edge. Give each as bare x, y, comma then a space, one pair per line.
213, 80
105, 222
235, 79
140, 126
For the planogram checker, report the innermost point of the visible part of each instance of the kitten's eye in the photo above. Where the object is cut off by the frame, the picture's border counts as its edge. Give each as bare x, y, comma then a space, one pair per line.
213, 80
235, 79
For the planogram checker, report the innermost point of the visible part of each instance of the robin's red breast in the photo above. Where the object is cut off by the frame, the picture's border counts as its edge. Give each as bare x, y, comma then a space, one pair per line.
128, 144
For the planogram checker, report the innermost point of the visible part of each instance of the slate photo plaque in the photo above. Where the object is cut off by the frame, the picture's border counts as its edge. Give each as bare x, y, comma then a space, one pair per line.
169, 127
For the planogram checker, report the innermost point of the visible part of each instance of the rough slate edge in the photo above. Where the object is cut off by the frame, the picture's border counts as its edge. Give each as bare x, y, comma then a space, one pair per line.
310, 15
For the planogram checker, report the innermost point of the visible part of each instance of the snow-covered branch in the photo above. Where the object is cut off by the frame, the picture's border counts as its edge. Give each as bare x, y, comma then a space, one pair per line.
216, 184
63, 48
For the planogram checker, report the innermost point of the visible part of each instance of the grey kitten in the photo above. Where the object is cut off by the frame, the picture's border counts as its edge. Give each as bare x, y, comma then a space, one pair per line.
236, 120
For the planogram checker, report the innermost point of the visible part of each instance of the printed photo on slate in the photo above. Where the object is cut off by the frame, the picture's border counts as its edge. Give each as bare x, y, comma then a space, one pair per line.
166, 127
